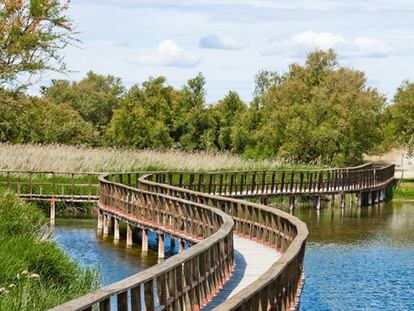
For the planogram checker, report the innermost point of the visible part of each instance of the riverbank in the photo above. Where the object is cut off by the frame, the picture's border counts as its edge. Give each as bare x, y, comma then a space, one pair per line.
35, 274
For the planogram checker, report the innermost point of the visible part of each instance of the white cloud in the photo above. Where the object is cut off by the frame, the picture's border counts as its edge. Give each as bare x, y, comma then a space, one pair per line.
169, 54
298, 45
220, 42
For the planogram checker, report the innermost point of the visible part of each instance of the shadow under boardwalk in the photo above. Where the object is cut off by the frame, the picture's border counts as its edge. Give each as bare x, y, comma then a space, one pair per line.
252, 260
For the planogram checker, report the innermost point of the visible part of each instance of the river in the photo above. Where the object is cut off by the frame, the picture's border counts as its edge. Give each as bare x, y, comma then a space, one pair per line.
356, 259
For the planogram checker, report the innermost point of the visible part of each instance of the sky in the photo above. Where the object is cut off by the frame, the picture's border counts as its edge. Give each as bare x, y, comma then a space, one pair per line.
230, 41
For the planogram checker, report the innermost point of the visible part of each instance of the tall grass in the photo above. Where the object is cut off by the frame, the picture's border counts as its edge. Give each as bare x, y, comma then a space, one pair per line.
34, 273
84, 159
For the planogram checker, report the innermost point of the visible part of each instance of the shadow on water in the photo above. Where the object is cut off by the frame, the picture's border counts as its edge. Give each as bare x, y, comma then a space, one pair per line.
359, 258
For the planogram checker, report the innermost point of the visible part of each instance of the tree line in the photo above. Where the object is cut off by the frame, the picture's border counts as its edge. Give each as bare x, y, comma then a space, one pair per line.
318, 111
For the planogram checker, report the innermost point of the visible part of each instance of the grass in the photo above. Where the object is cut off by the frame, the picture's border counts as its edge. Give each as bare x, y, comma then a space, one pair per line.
405, 190
62, 158
34, 273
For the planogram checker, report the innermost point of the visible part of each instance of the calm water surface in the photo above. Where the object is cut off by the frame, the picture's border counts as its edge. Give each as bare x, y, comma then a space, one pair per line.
356, 259
77, 236
359, 259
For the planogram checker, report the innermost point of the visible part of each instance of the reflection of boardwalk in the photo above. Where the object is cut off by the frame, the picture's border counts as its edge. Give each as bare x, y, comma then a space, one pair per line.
252, 259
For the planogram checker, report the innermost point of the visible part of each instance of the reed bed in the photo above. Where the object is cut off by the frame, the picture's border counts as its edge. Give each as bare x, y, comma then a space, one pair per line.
63, 158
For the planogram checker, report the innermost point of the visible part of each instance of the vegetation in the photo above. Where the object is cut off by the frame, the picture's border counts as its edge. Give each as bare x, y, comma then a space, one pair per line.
404, 190
32, 32
399, 119
85, 159
34, 273
316, 112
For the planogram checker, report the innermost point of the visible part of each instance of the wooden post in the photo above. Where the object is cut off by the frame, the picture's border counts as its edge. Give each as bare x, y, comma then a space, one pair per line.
333, 200
370, 198
263, 199
129, 235
376, 196
343, 199
181, 246
105, 225
52, 211
100, 220
292, 202
144, 240
161, 246
318, 202
359, 199
116, 229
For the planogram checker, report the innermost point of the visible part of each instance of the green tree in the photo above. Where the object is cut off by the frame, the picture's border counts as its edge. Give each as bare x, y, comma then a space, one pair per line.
46, 122
144, 117
95, 97
228, 110
194, 125
32, 32
318, 111
399, 118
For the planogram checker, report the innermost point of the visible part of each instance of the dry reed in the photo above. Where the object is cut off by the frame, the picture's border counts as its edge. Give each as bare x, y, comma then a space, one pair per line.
85, 159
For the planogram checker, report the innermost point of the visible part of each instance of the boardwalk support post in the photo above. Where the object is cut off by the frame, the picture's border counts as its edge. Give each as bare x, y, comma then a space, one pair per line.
105, 225
128, 235
318, 202
52, 211
263, 199
161, 245
144, 240
116, 229
181, 246
292, 203
359, 199
100, 220
343, 200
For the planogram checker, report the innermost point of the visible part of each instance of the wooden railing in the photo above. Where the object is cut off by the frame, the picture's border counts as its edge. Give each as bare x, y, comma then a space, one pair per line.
256, 183
183, 282
45, 185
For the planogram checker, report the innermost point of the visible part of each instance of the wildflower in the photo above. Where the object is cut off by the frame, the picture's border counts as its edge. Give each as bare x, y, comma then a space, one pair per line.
18, 276
24, 272
12, 286
2, 289
33, 276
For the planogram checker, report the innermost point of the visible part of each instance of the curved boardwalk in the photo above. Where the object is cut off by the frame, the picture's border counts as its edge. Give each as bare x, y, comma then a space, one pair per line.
251, 260
261, 268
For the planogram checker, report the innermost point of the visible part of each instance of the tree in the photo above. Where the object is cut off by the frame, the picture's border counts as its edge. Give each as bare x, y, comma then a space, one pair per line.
32, 32
399, 118
26, 119
228, 110
318, 112
95, 97
144, 117
194, 125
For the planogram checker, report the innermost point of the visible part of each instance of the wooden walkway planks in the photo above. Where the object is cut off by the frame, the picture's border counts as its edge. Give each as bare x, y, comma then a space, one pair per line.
252, 259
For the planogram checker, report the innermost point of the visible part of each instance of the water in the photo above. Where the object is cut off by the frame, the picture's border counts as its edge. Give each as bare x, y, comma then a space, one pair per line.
77, 236
359, 259
356, 259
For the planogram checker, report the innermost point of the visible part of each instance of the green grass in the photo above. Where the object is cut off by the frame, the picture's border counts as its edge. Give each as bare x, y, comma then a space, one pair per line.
404, 190
35, 274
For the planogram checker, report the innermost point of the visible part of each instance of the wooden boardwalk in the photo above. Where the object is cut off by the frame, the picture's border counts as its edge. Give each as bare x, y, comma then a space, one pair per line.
252, 260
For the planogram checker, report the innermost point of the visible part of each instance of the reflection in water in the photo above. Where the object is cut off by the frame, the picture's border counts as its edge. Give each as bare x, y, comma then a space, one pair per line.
359, 258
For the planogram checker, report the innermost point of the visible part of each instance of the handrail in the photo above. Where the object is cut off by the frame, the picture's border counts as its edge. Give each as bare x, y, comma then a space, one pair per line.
279, 287
166, 284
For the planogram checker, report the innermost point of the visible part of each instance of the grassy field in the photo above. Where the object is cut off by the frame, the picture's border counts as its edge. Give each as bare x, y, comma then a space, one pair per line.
34, 273
404, 190
62, 158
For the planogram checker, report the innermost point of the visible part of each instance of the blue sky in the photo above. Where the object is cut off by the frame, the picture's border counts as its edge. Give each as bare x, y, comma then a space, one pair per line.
230, 41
